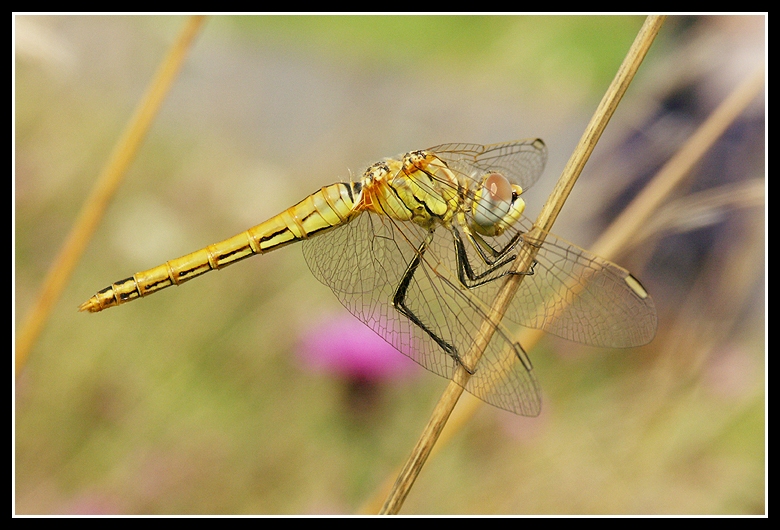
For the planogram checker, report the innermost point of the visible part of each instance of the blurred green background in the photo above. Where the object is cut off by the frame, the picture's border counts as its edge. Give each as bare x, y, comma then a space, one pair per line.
196, 400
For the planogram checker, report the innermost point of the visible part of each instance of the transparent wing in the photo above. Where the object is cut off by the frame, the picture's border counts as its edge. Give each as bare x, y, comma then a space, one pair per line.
521, 161
573, 294
363, 263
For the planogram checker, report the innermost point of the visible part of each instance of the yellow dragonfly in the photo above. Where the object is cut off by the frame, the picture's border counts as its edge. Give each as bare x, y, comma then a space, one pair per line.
418, 249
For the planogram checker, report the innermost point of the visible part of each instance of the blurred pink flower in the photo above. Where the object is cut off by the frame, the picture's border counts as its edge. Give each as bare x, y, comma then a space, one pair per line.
342, 345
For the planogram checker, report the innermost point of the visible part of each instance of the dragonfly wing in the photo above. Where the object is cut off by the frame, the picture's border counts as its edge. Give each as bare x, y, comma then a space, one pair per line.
575, 295
521, 161
364, 261
587, 299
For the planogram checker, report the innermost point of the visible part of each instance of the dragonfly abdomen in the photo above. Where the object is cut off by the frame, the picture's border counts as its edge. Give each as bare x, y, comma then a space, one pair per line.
327, 208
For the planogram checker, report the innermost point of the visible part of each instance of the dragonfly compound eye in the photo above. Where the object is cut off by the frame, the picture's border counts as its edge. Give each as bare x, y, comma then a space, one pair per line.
494, 200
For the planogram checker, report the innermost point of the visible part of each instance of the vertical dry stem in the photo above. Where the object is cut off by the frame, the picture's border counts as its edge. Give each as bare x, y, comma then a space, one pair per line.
525, 258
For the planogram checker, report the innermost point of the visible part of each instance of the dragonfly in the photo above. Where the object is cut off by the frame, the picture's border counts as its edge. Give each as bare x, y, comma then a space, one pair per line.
418, 249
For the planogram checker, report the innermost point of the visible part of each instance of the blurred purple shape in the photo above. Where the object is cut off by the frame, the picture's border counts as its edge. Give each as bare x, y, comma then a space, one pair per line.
344, 346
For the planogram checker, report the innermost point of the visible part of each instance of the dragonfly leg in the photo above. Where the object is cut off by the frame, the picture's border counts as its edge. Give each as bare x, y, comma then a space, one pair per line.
497, 260
484, 248
399, 302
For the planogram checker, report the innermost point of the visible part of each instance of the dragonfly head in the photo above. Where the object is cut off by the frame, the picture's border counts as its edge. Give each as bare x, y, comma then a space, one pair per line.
496, 206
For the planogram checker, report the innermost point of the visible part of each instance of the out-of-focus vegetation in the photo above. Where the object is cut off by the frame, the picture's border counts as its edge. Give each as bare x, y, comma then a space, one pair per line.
200, 400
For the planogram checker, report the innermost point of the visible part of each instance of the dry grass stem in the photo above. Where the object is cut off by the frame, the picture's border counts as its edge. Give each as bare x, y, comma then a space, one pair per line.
702, 208
621, 231
105, 187
544, 222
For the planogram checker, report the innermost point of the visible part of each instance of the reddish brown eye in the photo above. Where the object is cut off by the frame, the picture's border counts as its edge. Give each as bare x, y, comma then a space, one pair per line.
495, 201
499, 188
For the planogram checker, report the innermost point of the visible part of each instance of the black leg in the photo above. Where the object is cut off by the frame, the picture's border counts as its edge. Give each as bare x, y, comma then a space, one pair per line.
483, 246
497, 260
399, 301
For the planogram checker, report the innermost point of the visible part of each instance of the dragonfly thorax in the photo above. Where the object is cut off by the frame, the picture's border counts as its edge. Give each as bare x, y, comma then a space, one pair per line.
419, 188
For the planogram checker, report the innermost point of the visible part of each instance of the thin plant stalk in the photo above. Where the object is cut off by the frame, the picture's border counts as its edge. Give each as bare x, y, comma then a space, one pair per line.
525, 258
618, 235
105, 187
